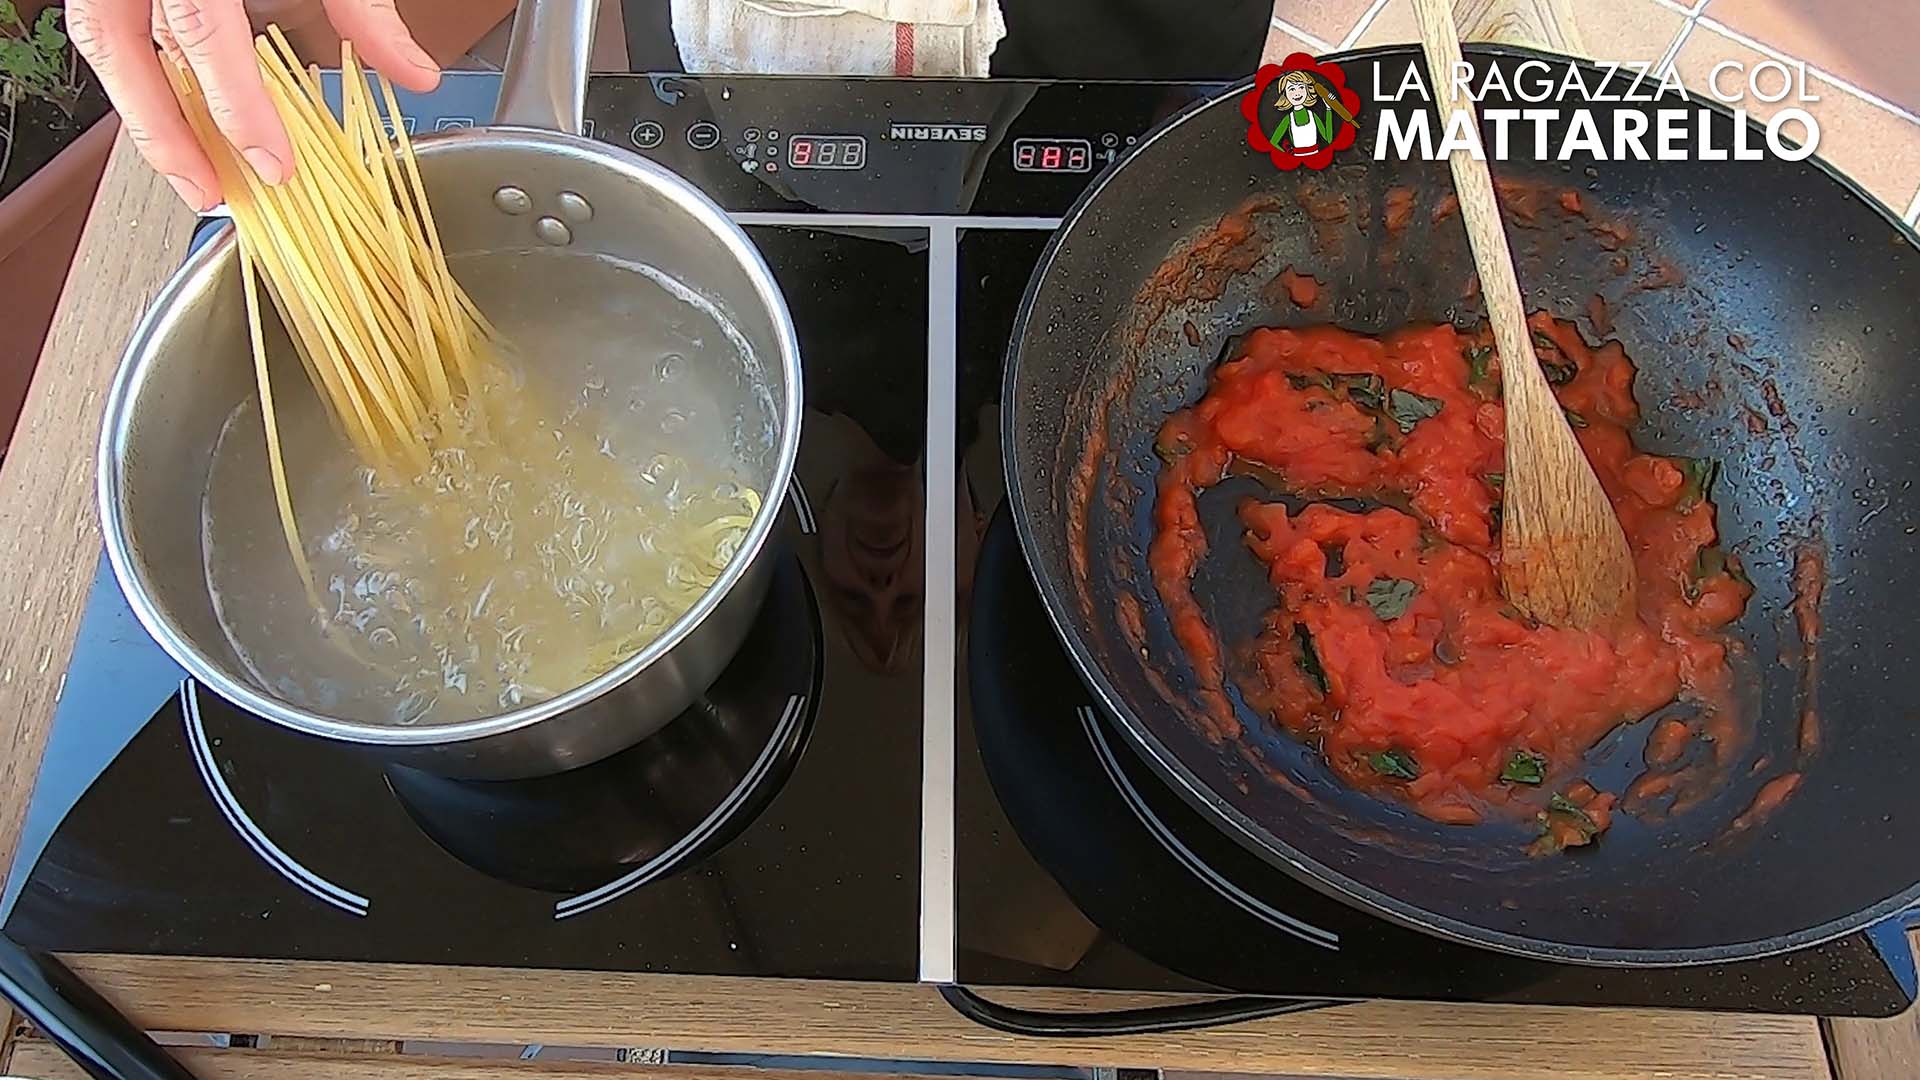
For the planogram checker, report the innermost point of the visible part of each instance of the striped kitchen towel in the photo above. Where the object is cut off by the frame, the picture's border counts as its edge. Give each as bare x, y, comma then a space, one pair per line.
838, 37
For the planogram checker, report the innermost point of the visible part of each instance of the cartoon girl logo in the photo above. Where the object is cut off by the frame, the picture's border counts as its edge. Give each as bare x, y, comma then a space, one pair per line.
1301, 112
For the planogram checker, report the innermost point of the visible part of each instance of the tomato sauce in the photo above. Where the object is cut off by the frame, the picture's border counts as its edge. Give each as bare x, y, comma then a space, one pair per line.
1389, 645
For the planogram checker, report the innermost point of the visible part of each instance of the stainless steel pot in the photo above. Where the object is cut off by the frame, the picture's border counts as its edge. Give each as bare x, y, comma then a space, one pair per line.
188, 366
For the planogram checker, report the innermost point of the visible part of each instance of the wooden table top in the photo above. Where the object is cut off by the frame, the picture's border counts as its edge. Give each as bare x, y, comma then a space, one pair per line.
136, 236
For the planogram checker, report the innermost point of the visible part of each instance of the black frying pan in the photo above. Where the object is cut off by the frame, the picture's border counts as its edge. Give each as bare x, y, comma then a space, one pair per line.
1793, 285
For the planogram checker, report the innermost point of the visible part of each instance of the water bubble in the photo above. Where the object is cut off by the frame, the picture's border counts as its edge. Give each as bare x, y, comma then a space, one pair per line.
681, 573
669, 367
661, 469
672, 421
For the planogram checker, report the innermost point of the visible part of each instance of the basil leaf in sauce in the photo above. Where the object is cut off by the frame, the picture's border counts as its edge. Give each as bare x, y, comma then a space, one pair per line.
1562, 811
1559, 374
1366, 391
1309, 658
1525, 767
1408, 408
1566, 809
1700, 474
1710, 562
1496, 481
1389, 597
1478, 359
1301, 380
1574, 418
1395, 763
1738, 572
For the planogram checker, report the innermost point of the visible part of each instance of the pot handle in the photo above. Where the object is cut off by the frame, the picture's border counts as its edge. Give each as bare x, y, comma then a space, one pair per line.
544, 84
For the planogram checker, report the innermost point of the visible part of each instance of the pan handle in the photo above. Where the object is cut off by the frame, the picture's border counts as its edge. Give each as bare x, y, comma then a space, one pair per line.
544, 83
104, 1043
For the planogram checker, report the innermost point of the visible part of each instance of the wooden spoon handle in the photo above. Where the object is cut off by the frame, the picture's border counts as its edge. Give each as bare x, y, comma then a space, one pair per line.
1563, 556
1521, 381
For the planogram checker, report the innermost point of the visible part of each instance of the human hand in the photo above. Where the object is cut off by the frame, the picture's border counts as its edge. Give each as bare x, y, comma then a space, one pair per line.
213, 39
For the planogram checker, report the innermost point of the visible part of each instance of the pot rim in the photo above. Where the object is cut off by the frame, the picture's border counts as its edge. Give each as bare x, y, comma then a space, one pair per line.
196, 275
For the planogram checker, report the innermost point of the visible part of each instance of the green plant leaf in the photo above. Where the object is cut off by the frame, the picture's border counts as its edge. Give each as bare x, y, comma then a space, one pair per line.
1395, 763
1575, 418
47, 34
1408, 408
9, 15
1525, 767
1389, 597
21, 63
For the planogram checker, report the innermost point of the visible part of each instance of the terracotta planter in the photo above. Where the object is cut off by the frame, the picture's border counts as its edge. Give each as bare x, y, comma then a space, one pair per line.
40, 222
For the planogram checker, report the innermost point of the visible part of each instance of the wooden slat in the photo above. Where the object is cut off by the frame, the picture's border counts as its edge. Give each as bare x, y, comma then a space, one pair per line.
332, 1046
37, 1060
1872, 1049
572, 1008
1875, 1049
135, 236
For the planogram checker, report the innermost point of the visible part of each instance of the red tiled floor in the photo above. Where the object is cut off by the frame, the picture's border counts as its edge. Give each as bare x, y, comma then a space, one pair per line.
1610, 29
1869, 43
1280, 44
1878, 149
1328, 20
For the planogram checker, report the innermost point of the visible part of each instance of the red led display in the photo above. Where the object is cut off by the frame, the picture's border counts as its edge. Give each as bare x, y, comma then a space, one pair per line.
827, 151
1053, 155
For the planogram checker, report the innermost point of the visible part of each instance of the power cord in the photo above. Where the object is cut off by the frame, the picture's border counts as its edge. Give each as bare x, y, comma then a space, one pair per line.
1157, 1020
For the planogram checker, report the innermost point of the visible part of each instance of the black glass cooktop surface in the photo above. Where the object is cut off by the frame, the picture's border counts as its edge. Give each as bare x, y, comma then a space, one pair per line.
772, 829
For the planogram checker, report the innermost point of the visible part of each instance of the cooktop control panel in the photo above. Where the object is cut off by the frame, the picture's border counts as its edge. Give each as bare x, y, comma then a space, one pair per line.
871, 146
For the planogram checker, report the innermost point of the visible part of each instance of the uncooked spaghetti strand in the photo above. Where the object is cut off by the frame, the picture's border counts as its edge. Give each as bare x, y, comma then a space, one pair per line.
365, 361
244, 191
443, 277
276, 465
433, 367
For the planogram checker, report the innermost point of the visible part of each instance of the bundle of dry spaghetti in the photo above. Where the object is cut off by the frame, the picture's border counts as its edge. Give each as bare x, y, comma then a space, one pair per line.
348, 251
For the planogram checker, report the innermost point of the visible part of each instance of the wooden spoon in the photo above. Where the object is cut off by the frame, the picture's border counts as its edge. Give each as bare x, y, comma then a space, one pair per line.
1564, 559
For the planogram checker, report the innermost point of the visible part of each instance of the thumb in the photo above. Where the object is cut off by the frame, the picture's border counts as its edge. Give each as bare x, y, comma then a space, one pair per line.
381, 36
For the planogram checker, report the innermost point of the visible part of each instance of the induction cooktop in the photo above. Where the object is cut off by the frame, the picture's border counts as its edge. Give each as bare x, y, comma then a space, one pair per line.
899, 778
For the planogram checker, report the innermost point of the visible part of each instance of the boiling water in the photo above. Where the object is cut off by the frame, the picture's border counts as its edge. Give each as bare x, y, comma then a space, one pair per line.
611, 484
